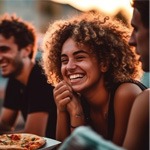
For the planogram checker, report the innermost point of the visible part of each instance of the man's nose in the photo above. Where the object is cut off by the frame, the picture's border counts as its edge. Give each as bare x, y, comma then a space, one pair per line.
132, 41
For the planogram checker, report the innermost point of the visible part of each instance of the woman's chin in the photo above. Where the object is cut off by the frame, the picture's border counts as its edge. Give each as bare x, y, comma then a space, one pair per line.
78, 89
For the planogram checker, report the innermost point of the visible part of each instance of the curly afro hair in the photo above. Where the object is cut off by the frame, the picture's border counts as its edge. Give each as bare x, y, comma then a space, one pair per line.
108, 40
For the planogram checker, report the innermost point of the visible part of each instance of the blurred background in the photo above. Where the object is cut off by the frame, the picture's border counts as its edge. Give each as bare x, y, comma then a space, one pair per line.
41, 12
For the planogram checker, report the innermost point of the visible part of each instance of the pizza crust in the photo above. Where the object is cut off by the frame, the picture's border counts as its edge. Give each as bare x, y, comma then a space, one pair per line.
11, 147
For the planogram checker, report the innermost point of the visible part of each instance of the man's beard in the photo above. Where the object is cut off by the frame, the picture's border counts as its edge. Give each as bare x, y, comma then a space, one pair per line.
16, 72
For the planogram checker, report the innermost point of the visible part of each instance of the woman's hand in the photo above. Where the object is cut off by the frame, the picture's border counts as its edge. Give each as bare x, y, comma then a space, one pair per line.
66, 99
62, 95
74, 106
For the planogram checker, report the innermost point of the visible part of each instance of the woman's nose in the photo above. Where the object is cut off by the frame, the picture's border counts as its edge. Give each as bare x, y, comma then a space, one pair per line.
71, 65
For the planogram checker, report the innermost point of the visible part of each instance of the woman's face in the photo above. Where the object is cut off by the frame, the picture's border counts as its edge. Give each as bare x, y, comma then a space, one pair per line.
79, 67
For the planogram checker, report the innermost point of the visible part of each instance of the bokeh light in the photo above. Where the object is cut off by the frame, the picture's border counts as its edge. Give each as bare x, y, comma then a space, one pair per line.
110, 7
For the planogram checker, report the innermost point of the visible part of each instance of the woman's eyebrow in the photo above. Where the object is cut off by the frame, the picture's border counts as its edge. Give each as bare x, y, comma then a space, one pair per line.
76, 52
63, 55
80, 51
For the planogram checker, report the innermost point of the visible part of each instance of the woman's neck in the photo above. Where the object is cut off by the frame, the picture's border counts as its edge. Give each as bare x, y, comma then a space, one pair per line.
97, 96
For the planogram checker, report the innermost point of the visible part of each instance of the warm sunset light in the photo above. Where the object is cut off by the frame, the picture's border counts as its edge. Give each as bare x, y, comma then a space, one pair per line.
110, 7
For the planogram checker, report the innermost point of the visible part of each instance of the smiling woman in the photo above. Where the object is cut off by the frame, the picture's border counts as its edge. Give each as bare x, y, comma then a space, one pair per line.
79, 58
94, 71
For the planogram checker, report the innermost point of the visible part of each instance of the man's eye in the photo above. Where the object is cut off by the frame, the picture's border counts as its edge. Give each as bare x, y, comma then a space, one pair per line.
135, 29
4, 48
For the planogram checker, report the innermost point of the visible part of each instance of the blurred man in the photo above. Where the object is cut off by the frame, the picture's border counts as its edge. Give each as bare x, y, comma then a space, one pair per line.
137, 136
27, 90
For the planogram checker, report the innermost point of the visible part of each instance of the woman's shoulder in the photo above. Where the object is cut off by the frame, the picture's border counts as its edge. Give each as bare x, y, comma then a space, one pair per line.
128, 88
127, 91
129, 83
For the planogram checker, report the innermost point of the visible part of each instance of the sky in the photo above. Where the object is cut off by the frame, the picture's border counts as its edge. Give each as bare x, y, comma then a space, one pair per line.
110, 7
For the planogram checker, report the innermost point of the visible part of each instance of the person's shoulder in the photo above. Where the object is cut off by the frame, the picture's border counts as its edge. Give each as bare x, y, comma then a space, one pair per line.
143, 97
141, 106
37, 67
13, 82
37, 71
127, 89
145, 93
38, 78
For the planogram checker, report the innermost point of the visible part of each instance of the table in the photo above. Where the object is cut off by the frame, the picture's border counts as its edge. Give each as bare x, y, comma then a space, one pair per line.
50, 144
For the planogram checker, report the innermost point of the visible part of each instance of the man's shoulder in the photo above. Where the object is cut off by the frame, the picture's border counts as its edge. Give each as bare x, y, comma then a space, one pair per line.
142, 100
37, 67
38, 78
37, 71
14, 82
144, 95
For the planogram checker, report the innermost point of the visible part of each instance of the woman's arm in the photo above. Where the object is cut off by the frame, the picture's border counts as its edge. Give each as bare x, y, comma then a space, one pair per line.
69, 110
76, 112
62, 126
62, 96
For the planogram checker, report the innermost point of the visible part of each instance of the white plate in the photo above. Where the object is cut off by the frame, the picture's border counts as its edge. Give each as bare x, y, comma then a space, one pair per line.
50, 144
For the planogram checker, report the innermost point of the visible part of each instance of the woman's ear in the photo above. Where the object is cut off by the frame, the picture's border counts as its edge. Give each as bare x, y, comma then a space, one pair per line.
104, 66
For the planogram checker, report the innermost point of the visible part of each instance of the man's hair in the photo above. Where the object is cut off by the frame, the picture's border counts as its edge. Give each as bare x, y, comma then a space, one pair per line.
22, 31
143, 7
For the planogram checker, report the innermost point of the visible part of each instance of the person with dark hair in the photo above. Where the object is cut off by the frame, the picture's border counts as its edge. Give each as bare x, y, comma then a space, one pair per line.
137, 136
94, 71
27, 89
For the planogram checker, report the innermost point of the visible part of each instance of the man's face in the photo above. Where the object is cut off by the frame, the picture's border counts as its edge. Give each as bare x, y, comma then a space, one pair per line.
140, 39
11, 62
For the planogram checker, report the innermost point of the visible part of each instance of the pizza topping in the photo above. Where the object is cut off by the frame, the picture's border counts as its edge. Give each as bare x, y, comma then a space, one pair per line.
3, 142
33, 139
15, 137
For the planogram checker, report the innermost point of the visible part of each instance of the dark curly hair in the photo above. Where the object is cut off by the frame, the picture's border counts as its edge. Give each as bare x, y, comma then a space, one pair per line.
108, 40
23, 32
143, 7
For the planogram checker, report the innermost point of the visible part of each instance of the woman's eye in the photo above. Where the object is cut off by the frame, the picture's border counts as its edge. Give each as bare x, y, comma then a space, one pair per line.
64, 61
80, 57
